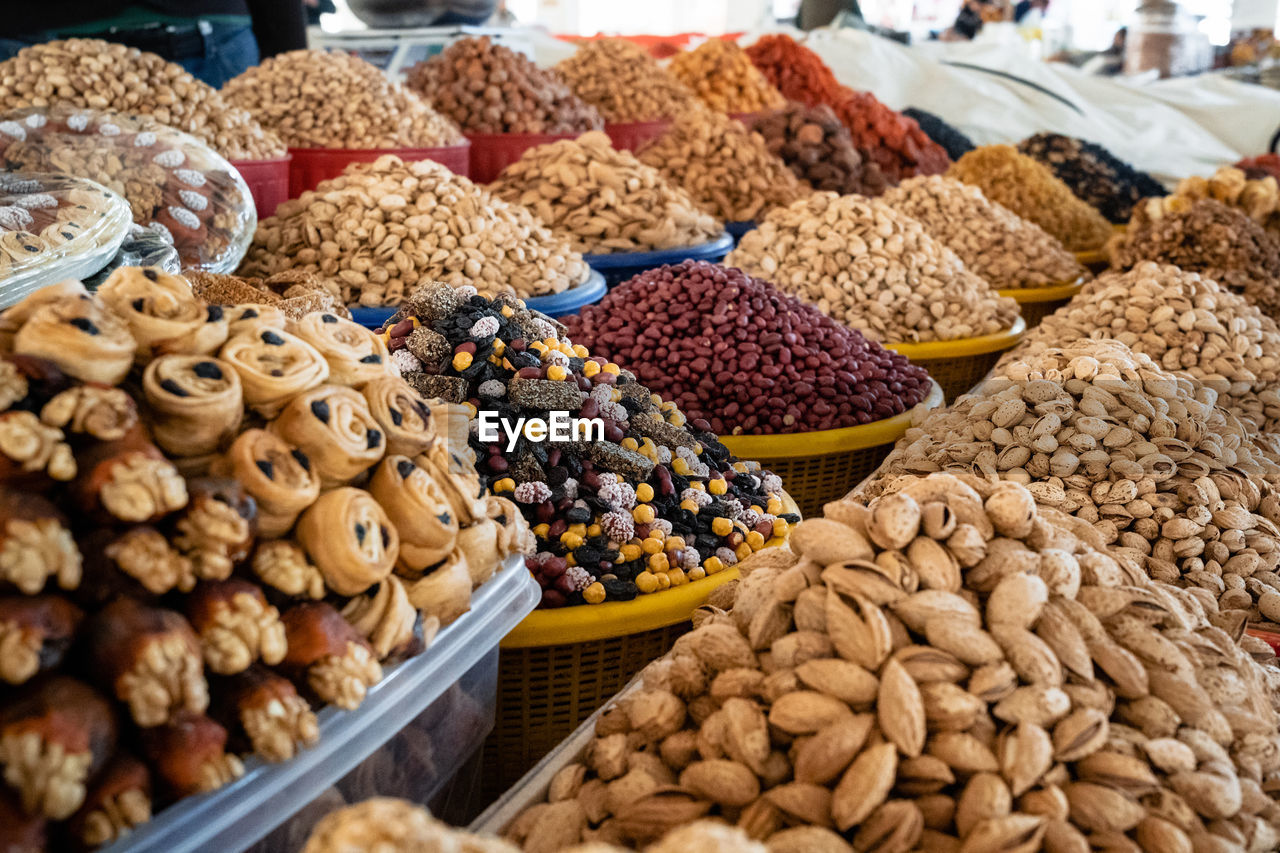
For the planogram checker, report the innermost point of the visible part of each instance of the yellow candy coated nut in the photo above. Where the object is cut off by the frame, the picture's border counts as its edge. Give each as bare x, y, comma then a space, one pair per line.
742, 551
755, 540
677, 577
697, 574
721, 526
718, 486
646, 582
612, 368
651, 546
590, 369
658, 563
630, 444
713, 565
664, 582
541, 530
675, 543
644, 491
594, 530
630, 552
689, 506
775, 506
643, 514
594, 594
461, 360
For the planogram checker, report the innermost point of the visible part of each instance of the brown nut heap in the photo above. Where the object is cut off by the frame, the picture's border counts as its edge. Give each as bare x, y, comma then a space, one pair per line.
101, 75
721, 74
604, 201
1258, 198
1208, 237
490, 88
993, 241
950, 668
870, 267
383, 228
727, 169
1032, 191
334, 99
625, 83
817, 147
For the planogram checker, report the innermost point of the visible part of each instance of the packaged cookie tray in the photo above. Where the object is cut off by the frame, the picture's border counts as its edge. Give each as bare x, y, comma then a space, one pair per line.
269, 797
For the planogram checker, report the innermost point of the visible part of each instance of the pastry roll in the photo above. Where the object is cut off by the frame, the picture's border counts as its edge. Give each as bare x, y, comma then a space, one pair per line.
118, 802
274, 367
254, 317
266, 706
35, 544
278, 476
350, 540
35, 633
479, 543
333, 426
385, 618
128, 480
196, 403
151, 660
402, 414
189, 755
445, 591
13, 317
54, 736
458, 480
236, 625
355, 354
81, 337
162, 313
337, 663
217, 528
514, 535
420, 511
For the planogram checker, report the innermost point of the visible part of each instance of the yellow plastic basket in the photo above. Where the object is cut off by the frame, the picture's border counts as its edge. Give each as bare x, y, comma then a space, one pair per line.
817, 467
959, 365
1036, 303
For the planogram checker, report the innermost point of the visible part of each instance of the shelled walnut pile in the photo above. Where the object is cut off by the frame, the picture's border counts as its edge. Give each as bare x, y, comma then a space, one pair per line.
187, 566
1258, 198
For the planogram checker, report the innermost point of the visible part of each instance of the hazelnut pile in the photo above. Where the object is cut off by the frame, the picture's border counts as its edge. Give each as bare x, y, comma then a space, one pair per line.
819, 150
1141, 455
334, 99
101, 75
733, 351
951, 668
602, 200
384, 227
1093, 173
866, 265
621, 80
721, 74
726, 168
655, 502
1259, 198
993, 241
1208, 237
1029, 189
488, 88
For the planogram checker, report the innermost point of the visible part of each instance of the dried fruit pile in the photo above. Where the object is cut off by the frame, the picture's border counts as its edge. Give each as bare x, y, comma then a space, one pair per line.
894, 142
727, 169
334, 99
655, 502
1093, 173
721, 74
489, 88
819, 149
603, 201
871, 268
952, 668
993, 241
1030, 190
751, 361
101, 75
196, 569
952, 140
621, 80
383, 228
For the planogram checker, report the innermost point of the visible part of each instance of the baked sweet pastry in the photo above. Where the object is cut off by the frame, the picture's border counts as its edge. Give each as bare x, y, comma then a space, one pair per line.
458, 480
349, 538
15, 315
405, 418
333, 426
162, 312
84, 340
274, 367
247, 319
385, 618
355, 354
445, 591
278, 476
420, 510
196, 401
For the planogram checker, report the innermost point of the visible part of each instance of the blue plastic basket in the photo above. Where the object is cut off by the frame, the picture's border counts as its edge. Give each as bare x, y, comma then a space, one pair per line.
617, 268
737, 229
372, 318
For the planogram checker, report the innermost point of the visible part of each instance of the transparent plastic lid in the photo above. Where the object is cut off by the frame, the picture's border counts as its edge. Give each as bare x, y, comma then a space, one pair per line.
173, 183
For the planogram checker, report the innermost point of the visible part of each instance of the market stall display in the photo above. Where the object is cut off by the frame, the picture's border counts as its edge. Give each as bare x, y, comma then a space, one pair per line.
952, 140
819, 150
720, 73
290, 294
384, 227
1259, 198
1262, 166
1093, 174
174, 184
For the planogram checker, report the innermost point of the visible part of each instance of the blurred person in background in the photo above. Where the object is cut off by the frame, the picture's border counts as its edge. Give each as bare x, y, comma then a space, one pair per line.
820, 13
1030, 13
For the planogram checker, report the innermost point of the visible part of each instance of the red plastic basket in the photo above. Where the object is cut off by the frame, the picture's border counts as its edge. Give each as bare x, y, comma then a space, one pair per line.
634, 135
312, 165
268, 182
493, 152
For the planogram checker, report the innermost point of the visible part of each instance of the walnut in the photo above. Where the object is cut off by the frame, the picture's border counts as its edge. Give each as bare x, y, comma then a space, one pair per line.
141, 488
104, 413
145, 555
211, 533
13, 385
32, 551
283, 565
34, 446
344, 679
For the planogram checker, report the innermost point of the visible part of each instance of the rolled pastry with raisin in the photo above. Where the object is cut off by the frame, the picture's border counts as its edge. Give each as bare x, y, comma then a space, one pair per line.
196, 403
55, 735
282, 565
189, 755
514, 535
274, 367
118, 802
333, 426
445, 591
336, 662
81, 337
402, 414
162, 313
480, 544
278, 476
251, 318
420, 511
35, 633
350, 540
15, 316
236, 625
355, 354
151, 660
385, 618
98, 411
35, 544
267, 708
128, 480
458, 480
217, 528
21, 832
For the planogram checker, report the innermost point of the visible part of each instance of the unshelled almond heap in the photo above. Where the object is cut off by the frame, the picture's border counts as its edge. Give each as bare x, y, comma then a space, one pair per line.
870, 267
621, 80
334, 99
950, 668
602, 200
726, 168
385, 227
721, 74
993, 241
1144, 457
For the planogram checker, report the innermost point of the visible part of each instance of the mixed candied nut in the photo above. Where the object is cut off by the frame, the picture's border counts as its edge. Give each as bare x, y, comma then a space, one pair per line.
817, 147
655, 501
721, 74
1093, 173
621, 80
